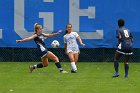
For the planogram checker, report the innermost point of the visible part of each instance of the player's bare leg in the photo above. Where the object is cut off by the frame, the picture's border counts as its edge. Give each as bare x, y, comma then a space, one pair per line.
44, 63
76, 56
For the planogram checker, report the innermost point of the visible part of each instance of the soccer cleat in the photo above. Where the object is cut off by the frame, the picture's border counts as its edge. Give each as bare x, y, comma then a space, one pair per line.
31, 68
115, 75
63, 71
72, 71
126, 76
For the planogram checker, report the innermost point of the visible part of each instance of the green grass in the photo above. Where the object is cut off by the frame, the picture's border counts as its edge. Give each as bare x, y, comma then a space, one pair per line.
91, 78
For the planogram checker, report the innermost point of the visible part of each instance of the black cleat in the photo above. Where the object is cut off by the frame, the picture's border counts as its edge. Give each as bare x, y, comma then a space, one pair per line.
73, 71
126, 76
115, 75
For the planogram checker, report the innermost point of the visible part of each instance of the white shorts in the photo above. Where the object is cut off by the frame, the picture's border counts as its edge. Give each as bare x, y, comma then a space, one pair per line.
73, 50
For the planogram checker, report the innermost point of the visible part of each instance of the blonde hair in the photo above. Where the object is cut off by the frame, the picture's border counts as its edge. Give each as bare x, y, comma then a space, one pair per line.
35, 27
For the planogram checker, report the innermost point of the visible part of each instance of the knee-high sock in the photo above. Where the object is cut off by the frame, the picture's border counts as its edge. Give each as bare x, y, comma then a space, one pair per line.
58, 65
116, 66
73, 65
40, 65
126, 67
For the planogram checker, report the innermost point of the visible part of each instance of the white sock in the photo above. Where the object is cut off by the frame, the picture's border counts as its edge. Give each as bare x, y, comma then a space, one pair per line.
73, 65
35, 66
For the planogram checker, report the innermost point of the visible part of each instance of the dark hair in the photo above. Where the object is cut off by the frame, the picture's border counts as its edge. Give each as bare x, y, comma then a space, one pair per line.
66, 28
121, 22
66, 32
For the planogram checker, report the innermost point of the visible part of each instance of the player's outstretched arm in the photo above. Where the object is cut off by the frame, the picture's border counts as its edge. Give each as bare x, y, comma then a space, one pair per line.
26, 39
80, 40
53, 34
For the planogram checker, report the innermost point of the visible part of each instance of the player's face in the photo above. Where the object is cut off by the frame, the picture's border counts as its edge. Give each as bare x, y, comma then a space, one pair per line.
69, 28
39, 31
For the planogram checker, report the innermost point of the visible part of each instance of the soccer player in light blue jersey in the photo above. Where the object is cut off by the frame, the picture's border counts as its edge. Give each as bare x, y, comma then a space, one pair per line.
71, 46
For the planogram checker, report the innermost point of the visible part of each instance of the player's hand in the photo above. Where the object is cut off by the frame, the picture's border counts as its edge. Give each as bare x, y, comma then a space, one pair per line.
83, 44
17, 41
59, 31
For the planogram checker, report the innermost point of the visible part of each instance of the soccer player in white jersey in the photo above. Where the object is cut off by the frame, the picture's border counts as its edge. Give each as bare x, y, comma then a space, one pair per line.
71, 46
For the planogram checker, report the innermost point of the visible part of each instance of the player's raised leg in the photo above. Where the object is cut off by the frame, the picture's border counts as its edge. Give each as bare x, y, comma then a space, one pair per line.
44, 63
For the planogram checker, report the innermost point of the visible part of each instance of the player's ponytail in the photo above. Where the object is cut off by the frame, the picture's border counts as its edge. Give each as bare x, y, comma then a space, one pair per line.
66, 32
35, 27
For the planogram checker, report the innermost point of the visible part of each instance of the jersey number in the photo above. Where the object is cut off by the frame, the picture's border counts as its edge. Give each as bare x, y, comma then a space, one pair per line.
126, 33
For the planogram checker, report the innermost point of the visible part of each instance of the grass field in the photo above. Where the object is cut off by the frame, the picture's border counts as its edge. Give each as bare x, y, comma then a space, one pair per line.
91, 78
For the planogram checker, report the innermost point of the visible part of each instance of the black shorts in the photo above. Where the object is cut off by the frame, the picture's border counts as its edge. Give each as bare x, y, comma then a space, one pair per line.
124, 50
44, 53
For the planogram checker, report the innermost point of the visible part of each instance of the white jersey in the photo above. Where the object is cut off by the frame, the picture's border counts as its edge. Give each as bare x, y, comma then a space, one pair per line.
71, 41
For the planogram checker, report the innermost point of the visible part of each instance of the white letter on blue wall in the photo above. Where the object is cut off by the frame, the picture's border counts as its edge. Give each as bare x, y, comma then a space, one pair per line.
48, 17
0, 33
75, 13
19, 19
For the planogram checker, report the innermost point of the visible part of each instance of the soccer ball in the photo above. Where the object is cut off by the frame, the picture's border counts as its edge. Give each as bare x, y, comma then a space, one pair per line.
55, 44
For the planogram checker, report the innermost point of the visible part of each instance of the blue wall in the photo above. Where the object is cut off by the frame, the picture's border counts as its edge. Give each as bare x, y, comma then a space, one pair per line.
94, 20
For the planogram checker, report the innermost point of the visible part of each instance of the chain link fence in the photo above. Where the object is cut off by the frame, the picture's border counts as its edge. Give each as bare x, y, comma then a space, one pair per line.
86, 55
